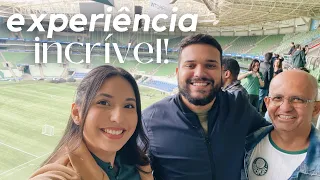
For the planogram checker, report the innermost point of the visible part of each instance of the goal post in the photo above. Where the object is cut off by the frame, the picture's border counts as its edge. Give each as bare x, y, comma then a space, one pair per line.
48, 130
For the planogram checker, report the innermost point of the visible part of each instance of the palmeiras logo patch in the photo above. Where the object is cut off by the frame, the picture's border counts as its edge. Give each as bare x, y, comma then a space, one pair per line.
259, 166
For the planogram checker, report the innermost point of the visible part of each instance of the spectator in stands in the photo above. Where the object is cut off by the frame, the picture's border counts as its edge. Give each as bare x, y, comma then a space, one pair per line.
253, 83
100, 141
274, 58
291, 49
298, 58
305, 49
199, 133
290, 148
230, 72
267, 73
277, 67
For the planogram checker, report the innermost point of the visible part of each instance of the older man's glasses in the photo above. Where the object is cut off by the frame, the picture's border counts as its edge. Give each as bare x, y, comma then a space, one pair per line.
295, 101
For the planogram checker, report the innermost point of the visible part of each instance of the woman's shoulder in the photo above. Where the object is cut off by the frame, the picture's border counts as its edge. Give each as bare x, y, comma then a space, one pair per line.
59, 170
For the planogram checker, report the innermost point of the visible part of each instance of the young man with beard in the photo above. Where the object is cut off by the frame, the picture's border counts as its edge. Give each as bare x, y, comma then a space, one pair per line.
199, 133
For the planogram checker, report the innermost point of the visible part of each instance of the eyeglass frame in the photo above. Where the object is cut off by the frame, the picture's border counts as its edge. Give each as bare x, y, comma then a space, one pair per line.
290, 100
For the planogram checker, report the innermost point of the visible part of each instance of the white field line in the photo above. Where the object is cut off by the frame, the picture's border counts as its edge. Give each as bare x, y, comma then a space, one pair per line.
18, 149
21, 165
20, 85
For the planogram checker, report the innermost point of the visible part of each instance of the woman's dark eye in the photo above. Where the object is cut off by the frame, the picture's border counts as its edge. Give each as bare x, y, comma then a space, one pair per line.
130, 106
103, 102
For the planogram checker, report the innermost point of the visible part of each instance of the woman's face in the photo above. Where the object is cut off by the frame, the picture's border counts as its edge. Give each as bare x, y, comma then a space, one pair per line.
112, 117
256, 67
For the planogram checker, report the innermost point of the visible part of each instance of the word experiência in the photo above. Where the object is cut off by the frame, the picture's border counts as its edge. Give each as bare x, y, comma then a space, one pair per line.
120, 22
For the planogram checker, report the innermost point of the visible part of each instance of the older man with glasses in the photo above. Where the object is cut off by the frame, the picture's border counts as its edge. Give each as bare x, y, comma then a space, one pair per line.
290, 148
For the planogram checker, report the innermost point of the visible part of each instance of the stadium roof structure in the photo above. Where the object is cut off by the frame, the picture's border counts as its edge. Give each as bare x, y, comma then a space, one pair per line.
245, 12
213, 14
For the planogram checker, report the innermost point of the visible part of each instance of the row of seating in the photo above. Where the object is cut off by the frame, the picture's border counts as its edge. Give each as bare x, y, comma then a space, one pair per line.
163, 86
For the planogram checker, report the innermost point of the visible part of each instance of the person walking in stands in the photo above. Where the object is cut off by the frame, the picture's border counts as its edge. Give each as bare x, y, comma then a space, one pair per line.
274, 58
266, 69
100, 141
298, 58
305, 49
199, 133
230, 72
292, 48
253, 83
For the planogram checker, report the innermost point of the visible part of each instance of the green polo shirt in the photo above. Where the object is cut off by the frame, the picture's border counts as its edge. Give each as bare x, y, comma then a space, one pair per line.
252, 84
125, 172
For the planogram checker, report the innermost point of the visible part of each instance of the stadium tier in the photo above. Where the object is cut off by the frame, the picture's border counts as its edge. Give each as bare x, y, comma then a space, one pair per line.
5, 33
266, 45
16, 58
298, 38
79, 75
160, 85
243, 44
225, 40
1, 75
174, 42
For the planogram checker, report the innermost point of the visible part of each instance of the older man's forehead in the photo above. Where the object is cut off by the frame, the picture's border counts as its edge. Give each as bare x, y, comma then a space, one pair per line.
292, 86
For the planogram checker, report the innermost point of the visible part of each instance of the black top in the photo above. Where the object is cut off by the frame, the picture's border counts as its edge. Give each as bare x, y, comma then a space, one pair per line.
124, 171
180, 150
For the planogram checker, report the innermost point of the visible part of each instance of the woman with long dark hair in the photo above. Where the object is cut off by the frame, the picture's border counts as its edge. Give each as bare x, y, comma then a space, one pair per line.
253, 83
100, 141
277, 66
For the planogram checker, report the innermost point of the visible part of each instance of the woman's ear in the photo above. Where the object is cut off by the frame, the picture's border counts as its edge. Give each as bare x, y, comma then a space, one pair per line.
75, 113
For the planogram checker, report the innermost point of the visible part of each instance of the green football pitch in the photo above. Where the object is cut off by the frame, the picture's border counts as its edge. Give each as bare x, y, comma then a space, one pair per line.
25, 108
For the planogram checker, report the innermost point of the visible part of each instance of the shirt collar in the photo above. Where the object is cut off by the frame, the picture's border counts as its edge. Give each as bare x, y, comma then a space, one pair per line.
234, 83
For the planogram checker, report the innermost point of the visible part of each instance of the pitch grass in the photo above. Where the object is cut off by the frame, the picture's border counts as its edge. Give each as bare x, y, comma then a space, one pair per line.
24, 108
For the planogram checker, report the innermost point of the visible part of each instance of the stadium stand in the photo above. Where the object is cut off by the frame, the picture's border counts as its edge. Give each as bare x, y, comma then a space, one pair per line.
160, 85
298, 38
79, 75
52, 70
225, 40
5, 33
243, 44
35, 71
174, 42
266, 45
